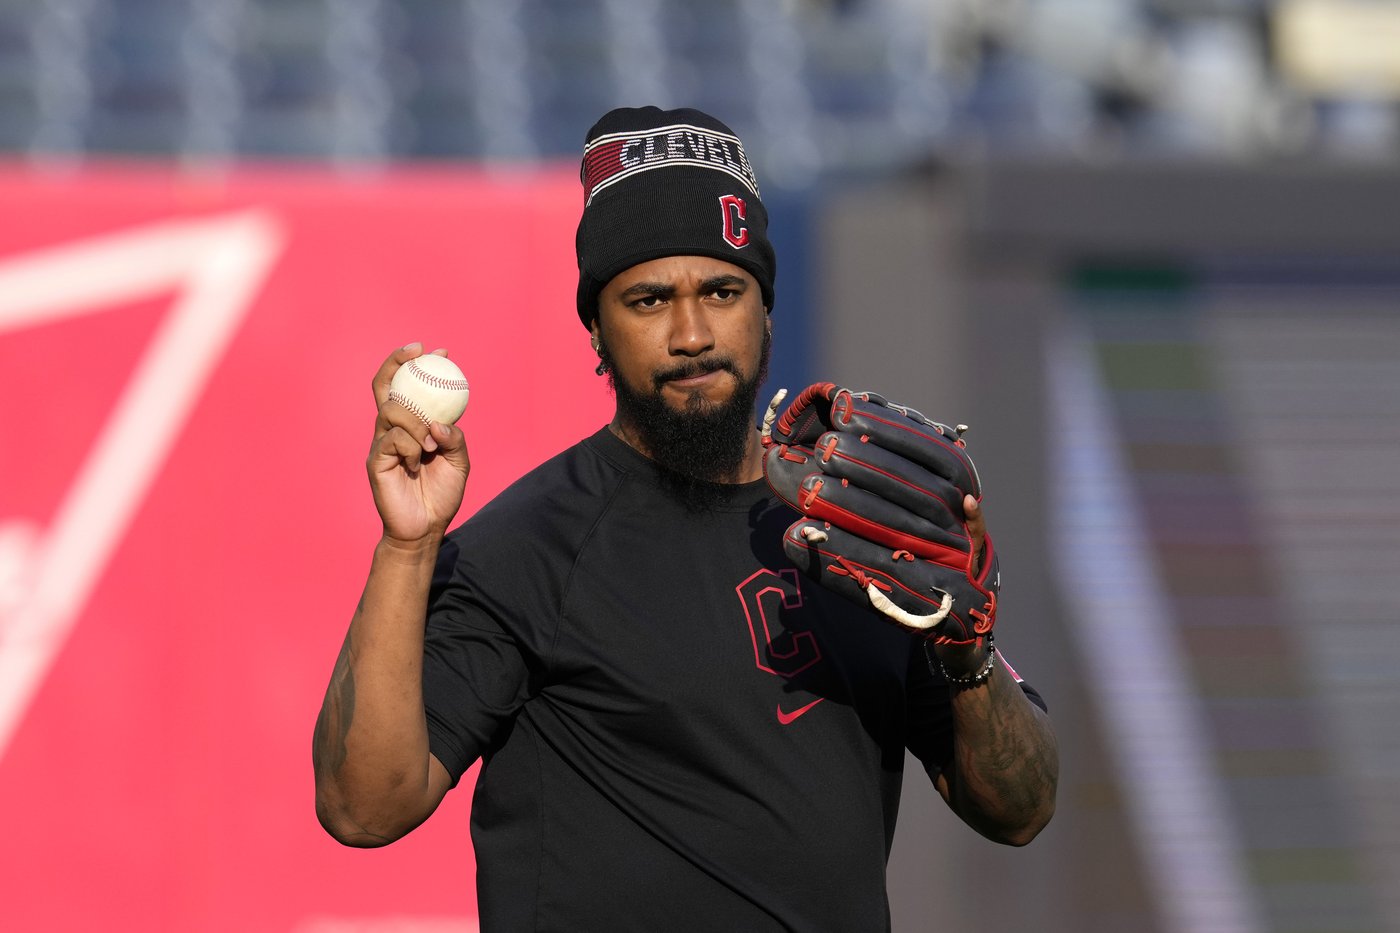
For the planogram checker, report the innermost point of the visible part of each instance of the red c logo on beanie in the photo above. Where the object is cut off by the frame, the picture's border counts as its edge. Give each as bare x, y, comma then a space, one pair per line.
735, 211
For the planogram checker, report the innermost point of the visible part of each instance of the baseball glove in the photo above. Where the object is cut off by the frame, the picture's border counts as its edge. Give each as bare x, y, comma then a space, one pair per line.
880, 488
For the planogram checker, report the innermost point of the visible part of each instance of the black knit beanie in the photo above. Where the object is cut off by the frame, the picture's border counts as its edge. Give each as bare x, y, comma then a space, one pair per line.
667, 183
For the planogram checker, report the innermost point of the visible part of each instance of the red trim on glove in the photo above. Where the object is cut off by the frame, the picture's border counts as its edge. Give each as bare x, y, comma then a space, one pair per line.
819, 390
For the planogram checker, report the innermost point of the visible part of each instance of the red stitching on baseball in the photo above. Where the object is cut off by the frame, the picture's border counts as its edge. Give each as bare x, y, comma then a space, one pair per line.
435, 381
408, 403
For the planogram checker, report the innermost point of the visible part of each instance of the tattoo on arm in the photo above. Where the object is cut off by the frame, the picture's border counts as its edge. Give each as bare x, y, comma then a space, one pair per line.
328, 750
1009, 765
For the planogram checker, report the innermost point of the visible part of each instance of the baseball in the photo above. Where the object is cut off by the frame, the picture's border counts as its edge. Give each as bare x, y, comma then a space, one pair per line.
432, 387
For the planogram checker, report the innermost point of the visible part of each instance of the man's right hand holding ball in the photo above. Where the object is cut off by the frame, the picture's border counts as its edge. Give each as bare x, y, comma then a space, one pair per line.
417, 471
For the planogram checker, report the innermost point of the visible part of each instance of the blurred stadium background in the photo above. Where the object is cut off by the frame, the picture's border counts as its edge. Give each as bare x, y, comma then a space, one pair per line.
1149, 249
821, 85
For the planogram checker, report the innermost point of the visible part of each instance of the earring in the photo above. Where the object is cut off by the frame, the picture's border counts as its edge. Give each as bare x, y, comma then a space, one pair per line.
598, 348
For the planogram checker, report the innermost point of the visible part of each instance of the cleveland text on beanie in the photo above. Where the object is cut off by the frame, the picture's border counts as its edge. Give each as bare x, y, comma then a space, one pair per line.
667, 183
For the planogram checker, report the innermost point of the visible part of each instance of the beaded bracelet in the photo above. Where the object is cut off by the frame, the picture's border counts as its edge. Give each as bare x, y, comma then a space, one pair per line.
981, 676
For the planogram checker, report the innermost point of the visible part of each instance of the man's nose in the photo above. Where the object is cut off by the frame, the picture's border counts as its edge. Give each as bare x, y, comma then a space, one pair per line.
690, 332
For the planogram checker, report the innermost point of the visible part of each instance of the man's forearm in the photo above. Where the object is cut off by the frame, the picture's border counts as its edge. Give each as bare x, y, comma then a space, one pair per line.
370, 748
1006, 760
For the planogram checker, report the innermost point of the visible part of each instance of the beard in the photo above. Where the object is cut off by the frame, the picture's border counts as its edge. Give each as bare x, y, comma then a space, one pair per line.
703, 445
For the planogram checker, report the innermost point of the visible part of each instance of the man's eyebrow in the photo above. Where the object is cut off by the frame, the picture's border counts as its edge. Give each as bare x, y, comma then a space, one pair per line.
720, 281
667, 290
651, 289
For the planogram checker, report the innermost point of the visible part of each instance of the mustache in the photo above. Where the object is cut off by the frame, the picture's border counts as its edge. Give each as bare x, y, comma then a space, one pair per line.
698, 367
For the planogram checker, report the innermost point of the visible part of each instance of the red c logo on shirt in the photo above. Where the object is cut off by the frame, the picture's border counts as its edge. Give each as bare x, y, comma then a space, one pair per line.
776, 650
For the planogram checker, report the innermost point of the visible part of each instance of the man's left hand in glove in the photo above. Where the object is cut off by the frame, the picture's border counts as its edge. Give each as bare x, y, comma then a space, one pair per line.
882, 492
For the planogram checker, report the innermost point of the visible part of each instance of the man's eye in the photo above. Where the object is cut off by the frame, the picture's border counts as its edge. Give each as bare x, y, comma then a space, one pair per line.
650, 301
723, 294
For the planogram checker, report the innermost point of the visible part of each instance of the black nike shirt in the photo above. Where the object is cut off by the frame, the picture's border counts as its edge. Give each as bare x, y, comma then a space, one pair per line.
677, 731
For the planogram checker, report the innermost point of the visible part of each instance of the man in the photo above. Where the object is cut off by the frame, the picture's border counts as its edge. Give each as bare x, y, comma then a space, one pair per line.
677, 732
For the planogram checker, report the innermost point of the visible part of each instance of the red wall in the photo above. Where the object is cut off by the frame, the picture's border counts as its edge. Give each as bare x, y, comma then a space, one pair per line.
185, 523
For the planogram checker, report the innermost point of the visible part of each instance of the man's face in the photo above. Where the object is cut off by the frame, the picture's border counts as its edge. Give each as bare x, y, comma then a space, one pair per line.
686, 339
688, 328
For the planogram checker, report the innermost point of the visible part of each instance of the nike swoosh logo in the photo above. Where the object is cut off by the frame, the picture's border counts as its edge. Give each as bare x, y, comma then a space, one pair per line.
786, 718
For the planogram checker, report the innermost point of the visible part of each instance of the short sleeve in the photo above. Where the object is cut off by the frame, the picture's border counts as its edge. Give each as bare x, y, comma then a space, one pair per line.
475, 673
929, 713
